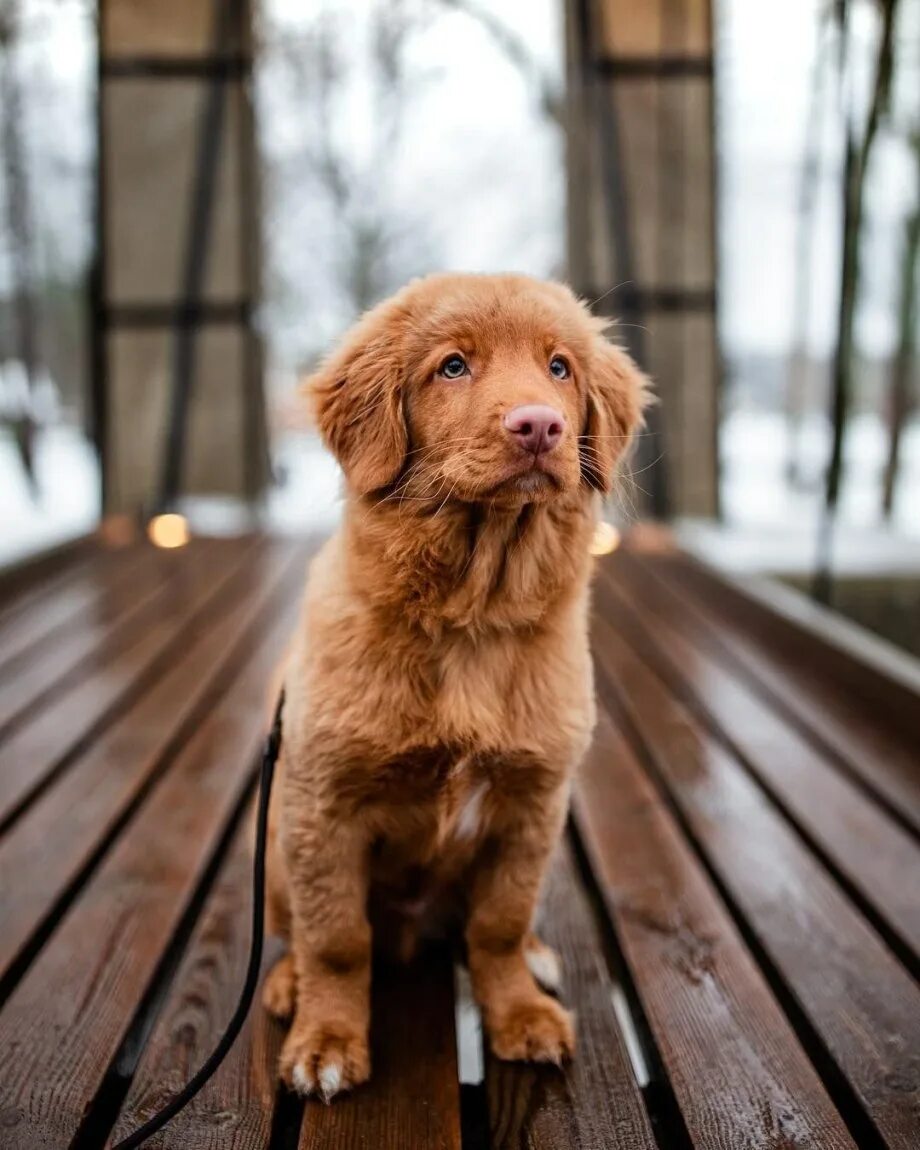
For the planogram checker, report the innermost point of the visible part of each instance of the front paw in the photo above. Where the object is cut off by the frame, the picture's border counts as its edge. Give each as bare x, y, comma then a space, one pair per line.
533, 1030
325, 1058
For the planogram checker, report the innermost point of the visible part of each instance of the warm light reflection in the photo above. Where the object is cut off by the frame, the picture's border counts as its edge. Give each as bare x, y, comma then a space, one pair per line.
117, 530
168, 531
606, 539
651, 539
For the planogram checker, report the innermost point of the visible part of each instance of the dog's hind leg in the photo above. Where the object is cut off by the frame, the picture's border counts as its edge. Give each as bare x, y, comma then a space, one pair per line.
279, 992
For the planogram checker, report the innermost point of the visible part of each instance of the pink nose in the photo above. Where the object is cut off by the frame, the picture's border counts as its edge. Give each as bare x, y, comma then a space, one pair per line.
535, 426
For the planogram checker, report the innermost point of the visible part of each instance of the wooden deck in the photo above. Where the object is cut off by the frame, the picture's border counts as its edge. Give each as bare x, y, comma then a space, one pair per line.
737, 901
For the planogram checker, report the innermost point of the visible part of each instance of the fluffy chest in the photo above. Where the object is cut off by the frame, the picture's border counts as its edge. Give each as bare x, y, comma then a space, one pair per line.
507, 691
426, 811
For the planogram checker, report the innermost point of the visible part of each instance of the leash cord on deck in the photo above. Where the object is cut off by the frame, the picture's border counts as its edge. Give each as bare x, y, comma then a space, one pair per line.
182, 1099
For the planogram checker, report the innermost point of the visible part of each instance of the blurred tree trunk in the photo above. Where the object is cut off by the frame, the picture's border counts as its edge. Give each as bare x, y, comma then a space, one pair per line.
797, 387
858, 153
19, 231
905, 355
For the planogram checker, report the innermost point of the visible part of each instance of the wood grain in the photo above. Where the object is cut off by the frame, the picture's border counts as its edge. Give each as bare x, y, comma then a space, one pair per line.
595, 1101
823, 948
97, 636
413, 1097
25, 582
736, 1067
67, 1018
880, 680
51, 615
65, 825
54, 734
869, 749
862, 840
234, 1111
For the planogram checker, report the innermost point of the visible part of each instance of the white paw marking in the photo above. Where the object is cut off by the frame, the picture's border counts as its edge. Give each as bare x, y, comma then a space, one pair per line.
467, 824
544, 966
302, 1080
330, 1079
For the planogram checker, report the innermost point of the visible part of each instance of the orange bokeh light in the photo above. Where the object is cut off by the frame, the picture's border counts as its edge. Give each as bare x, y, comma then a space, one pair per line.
168, 531
606, 538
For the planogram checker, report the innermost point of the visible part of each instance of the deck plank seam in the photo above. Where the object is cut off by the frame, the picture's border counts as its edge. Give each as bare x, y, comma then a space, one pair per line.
151, 672
17, 589
131, 620
221, 682
102, 1113
129, 563
649, 650
658, 1095
726, 656
858, 1122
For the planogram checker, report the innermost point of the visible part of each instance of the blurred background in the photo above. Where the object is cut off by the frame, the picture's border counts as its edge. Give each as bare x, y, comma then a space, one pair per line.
197, 197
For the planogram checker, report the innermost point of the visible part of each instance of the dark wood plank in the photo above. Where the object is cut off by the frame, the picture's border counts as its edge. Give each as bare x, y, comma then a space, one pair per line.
862, 667
98, 635
24, 581
67, 1018
859, 1000
868, 749
54, 734
64, 827
234, 1111
413, 1097
51, 615
867, 846
736, 1067
595, 1102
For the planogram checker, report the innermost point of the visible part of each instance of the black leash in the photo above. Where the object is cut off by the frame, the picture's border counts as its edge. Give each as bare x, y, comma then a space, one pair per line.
182, 1099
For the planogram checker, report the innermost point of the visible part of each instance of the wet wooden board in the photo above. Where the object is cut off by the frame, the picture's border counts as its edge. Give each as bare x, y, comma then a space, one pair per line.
413, 1098
42, 574
718, 942
236, 1108
71, 821
597, 1101
738, 1072
49, 617
820, 945
98, 635
863, 743
66, 1042
36, 750
869, 848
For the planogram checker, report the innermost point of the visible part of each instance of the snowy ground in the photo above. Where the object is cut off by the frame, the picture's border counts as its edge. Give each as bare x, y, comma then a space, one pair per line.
68, 503
768, 526
771, 527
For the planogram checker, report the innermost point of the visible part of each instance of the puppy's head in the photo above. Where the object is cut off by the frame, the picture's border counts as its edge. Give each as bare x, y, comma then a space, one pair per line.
478, 388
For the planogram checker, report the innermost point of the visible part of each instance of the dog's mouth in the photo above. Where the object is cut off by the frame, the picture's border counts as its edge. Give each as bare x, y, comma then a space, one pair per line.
532, 476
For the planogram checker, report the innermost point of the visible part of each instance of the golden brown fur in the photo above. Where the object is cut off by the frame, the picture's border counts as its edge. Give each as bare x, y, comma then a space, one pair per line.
439, 691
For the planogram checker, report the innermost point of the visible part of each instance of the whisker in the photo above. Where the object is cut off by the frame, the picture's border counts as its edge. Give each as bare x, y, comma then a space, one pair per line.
609, 291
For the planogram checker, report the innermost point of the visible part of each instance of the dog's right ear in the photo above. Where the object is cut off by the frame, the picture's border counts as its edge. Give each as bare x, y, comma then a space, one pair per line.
356, 396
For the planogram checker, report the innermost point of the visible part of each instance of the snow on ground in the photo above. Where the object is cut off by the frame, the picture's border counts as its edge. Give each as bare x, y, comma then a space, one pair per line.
772, 527
768, 525
68, 499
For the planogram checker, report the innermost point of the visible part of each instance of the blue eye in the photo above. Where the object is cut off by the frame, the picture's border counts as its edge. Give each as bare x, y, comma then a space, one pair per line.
453, 367
559, 368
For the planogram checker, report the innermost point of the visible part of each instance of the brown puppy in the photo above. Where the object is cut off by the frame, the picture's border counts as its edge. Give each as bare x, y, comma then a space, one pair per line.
439, 691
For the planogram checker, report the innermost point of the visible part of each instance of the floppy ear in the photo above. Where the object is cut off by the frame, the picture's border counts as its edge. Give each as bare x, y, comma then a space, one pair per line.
357, 401
618, 392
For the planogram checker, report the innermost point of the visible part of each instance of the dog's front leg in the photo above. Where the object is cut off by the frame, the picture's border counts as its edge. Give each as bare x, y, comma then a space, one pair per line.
326, 1050
523, 1023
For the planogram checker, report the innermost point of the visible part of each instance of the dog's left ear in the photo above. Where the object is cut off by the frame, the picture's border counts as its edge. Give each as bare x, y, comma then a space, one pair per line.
356, 397
618, 392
